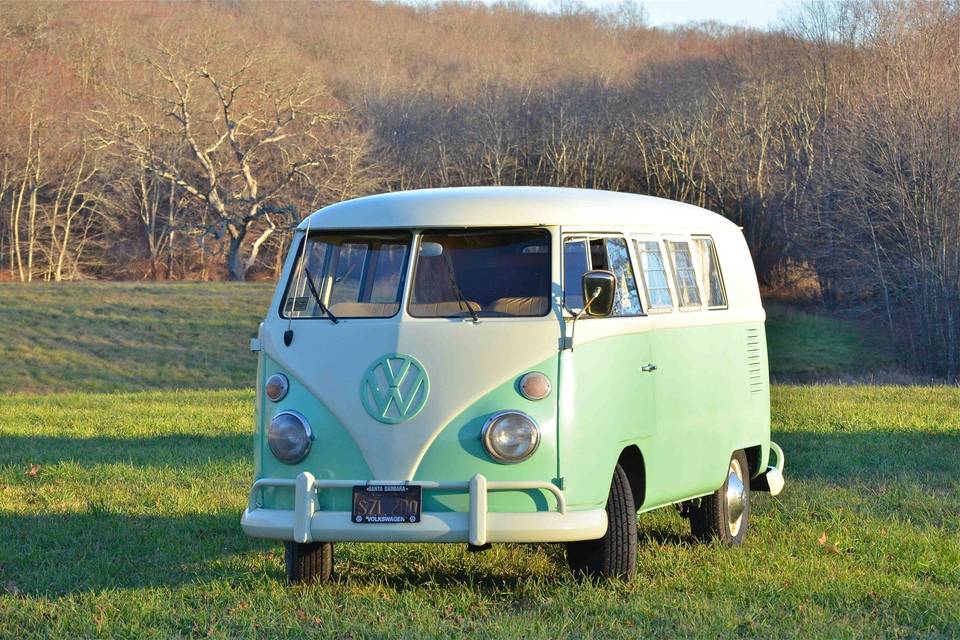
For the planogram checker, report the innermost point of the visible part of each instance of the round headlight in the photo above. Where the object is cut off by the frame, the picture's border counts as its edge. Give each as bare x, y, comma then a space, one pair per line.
277, 387
510, 436
534, 386
289, 437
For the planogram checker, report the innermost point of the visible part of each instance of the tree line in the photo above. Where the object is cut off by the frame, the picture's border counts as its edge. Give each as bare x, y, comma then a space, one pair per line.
184, 141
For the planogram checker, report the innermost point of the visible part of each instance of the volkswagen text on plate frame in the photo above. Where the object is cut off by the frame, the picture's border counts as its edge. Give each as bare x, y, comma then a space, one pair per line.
510, 364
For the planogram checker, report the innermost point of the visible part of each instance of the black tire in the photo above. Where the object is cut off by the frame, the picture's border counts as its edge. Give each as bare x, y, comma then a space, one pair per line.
308, 563
615, 554
711, 518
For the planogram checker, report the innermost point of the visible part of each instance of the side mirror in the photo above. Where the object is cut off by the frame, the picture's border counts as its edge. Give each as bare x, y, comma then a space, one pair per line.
599, 290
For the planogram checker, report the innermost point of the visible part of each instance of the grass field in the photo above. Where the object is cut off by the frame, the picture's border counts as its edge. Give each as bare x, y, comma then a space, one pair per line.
808, 347
108, 336
119, 512
130, 527
105, 337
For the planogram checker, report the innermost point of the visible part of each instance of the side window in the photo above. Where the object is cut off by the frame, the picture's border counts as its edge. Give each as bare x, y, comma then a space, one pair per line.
684, 275
611, 254
707, 266
575, 264
627, 301
654, 273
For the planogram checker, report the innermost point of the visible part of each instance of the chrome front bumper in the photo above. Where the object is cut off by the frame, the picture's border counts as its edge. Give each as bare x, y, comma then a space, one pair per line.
306, 523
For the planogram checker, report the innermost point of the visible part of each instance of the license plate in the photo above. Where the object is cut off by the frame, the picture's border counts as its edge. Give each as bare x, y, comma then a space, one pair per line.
386, 503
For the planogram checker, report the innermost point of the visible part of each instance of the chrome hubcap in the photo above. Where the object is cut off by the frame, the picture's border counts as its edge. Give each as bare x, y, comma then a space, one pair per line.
736, 497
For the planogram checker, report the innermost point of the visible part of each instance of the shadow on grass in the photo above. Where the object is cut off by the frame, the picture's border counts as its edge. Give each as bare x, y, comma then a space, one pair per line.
152, 451
62, 554
426, 566
662, 536
74, 552
871, 456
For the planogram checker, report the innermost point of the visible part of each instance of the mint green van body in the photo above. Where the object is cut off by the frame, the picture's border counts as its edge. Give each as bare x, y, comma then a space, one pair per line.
437, 340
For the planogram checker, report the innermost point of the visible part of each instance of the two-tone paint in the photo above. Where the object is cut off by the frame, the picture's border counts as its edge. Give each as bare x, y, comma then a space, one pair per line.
677, 422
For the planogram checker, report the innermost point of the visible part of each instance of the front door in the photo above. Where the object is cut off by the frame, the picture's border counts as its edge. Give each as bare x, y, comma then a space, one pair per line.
606, 373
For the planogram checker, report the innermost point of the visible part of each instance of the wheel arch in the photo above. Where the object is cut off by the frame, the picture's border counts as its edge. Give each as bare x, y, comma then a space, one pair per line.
631, 461
754, 459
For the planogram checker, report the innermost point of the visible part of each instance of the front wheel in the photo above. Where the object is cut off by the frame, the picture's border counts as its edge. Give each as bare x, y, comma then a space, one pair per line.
308, 563
615, 554
725, 514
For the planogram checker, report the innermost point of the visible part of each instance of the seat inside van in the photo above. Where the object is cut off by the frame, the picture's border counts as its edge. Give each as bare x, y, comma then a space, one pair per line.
520, 306
364, 309
442, 309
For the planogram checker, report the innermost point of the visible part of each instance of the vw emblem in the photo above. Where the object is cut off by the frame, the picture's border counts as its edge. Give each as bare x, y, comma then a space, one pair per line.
394, 388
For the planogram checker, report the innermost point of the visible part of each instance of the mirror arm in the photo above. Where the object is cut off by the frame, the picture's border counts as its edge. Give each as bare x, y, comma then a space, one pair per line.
596, 294
573, 323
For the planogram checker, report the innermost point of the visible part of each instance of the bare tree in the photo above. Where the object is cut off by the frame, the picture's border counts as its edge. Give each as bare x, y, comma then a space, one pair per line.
897, 185
71, 214
250, 144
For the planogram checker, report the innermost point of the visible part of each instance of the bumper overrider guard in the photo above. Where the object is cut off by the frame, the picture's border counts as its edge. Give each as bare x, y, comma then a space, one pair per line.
771, 480
477, 526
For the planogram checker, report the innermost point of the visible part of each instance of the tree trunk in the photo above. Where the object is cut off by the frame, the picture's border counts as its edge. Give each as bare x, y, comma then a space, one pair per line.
236, 265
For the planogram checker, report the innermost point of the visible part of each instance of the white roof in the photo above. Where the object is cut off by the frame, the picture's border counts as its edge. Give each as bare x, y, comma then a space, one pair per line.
509, 207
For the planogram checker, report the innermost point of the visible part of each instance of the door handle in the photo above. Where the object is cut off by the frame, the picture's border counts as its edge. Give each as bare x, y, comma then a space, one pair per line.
648, 368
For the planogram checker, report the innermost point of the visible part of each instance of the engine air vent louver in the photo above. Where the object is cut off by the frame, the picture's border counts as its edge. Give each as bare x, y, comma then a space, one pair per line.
755, 373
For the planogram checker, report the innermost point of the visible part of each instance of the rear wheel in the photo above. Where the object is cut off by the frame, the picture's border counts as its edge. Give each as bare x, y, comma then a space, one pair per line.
615, 554
725, 514
308, 563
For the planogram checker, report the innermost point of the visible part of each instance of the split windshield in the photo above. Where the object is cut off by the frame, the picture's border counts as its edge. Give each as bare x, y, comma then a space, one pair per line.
458, 273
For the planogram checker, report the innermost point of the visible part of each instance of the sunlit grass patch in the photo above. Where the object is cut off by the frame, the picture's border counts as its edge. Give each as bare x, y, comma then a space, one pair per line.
117, 336
110, 336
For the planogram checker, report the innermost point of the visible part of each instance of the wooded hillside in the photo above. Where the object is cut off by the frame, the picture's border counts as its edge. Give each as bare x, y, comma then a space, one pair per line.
182, 140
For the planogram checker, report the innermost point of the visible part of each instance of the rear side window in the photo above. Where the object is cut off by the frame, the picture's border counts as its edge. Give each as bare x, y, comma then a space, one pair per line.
654, 273
610, 254
707, 266
684, 275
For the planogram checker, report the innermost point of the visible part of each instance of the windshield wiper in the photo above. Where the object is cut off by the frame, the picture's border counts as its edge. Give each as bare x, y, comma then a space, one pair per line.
463, 303
461, 300
316, 296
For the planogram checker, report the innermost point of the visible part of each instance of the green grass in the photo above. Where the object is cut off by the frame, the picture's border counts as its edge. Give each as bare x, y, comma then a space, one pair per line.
808, 346
130, 528
104, 336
